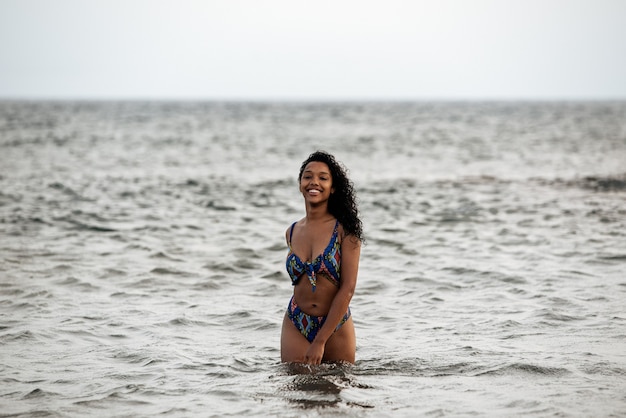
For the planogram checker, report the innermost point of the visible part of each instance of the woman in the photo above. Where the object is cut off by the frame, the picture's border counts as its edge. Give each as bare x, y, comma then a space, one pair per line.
323, 261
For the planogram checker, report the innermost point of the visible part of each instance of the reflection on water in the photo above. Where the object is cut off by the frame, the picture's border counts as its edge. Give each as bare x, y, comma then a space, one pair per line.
313, 387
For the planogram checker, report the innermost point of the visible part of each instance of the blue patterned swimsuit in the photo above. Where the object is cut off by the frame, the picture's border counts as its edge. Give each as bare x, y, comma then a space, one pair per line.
328, 264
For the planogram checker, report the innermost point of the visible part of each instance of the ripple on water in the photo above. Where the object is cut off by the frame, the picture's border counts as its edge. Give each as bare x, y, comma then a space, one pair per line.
524, 368
76, 283
317, 388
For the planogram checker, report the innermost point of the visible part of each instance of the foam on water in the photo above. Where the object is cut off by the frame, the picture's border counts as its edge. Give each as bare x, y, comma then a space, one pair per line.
142, 252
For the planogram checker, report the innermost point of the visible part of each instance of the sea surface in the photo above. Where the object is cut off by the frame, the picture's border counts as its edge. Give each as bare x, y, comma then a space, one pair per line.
142, 258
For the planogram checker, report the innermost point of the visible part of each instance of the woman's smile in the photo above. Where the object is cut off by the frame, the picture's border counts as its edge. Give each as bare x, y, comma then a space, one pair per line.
316, 179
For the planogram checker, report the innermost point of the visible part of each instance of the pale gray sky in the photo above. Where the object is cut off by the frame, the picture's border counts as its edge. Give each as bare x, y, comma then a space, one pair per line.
322, 49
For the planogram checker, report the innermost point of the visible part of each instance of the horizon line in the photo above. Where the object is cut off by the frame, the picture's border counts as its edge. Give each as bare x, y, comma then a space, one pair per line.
309, 99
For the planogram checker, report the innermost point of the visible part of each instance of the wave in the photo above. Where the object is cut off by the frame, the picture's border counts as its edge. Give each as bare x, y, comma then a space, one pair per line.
524, 368
68, 191
83, 226
21, 336
417, 367
79, 284
551, 317
165, 271
39, 393
603, 184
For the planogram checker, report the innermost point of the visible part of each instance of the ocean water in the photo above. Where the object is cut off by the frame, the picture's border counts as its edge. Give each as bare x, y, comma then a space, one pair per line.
142, 258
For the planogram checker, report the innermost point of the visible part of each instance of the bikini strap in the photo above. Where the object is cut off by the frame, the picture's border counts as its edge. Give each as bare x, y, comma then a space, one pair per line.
291, 232
336, 230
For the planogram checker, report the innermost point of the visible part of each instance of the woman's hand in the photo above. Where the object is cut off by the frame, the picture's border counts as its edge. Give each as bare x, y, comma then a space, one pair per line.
315, 353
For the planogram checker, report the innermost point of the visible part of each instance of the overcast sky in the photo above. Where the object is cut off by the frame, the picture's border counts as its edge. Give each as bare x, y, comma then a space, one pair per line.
317, 49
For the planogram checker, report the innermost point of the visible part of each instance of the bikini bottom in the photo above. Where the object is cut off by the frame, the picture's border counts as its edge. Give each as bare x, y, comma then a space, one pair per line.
309, 325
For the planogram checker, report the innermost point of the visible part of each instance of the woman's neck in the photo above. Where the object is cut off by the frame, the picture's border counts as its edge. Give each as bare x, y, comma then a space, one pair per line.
318, 214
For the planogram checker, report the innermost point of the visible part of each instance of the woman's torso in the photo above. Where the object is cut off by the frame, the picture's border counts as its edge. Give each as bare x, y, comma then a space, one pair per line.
316, 278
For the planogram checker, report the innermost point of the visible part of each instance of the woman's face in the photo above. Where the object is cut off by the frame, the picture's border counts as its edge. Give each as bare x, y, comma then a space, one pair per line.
316, 183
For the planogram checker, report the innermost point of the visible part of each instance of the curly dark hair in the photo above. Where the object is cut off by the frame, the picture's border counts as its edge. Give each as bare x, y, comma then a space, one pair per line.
342, 204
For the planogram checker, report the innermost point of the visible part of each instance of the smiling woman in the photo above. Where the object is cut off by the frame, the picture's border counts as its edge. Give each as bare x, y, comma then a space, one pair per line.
325, 244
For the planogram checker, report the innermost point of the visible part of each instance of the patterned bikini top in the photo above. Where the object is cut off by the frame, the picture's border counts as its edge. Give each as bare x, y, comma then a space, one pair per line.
327, 263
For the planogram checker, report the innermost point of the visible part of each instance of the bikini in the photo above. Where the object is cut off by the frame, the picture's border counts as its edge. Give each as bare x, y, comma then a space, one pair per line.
328, 265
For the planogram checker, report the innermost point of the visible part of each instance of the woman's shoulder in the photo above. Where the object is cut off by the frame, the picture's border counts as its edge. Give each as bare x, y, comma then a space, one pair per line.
290, 228
341, 232
345, 236
293, 224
